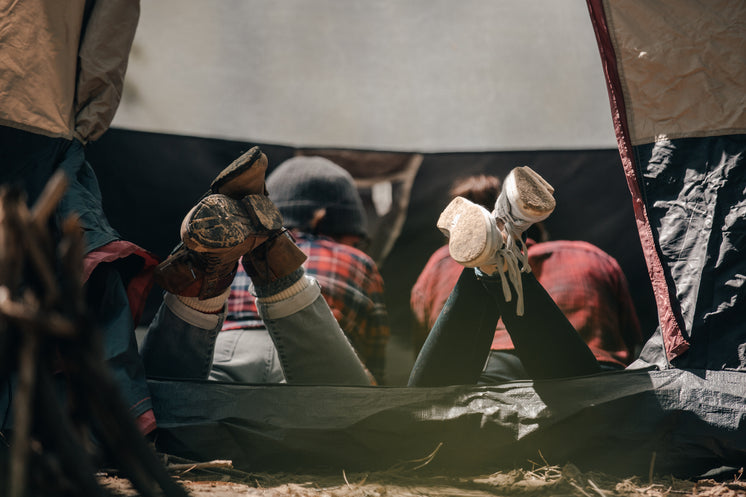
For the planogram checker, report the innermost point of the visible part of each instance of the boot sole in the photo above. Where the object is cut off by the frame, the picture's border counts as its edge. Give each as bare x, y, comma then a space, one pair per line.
223, 225
228, 182
530, 194
473, 236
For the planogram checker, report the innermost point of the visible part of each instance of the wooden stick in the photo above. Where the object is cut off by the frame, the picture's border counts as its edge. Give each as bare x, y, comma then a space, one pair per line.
596, 488
218, 463
651, 470
54, 325
59, 434
37, 243
48, 199
49, 322
119, 432
23, 413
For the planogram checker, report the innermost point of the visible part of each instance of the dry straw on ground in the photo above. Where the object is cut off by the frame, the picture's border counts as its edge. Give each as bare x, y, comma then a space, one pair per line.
219, 479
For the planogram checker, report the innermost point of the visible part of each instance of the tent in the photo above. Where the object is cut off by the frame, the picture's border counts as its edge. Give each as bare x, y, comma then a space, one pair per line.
451, 88
675, 78
473, 87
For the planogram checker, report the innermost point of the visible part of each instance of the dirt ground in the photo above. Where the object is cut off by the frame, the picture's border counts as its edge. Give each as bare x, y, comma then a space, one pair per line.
223, 481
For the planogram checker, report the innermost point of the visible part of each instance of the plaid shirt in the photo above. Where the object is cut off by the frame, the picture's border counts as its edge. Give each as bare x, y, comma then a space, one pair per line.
351, 285
586, 283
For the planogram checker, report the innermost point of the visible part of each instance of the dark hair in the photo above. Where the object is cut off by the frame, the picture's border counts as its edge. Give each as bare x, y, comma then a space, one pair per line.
538, 233
480, 189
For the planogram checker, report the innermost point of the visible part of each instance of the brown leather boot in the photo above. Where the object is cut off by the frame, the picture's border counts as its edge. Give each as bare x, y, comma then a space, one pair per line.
215, 234
243, 176
276, 258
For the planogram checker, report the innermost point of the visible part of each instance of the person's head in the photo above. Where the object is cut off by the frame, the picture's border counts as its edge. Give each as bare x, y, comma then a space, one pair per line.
314, 195
480, 189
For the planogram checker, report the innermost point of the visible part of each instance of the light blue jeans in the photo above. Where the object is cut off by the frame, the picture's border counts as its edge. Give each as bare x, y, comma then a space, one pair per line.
246, 356
308, 343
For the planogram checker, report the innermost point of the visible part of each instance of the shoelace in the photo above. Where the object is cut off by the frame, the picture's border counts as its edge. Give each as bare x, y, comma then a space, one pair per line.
513, 255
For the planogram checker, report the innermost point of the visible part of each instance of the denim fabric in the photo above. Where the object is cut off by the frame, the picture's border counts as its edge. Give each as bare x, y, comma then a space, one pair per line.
180, 341
310, 345
246, 356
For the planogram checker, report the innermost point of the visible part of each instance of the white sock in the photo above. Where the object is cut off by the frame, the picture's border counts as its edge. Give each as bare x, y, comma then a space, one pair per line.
292, 290
208, 306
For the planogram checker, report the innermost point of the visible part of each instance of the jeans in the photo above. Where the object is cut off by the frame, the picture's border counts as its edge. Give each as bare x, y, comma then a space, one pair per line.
310, 345
246, 356
457, 347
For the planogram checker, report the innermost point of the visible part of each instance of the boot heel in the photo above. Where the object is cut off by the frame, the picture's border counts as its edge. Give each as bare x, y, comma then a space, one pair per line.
262, 212
243, 176
275, 258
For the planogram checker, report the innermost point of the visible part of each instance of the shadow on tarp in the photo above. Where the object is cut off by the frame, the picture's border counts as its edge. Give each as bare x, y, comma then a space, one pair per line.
687, 422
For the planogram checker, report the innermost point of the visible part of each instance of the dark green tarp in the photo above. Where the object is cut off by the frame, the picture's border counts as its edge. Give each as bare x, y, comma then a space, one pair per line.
687, 422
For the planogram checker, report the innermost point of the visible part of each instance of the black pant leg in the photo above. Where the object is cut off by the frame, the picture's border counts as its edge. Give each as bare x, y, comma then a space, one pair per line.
457, 347
544, 339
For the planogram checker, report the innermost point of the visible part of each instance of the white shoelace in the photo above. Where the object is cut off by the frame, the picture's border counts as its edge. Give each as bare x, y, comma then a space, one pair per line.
513, 256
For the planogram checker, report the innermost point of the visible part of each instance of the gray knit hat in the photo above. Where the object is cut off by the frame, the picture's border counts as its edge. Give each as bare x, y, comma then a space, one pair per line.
301, 186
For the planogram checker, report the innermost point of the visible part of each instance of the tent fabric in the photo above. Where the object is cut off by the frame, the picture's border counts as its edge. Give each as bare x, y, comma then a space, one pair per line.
417, 76
697, 209
681, 66
68, 60
687, 200
689, 422
679, 119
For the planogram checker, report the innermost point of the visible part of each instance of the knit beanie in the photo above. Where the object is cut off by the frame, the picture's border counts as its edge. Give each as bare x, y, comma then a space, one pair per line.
300, 186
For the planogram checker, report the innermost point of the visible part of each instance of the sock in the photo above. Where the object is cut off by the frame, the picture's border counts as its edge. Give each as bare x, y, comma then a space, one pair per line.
283, 288
208, 306
277, 286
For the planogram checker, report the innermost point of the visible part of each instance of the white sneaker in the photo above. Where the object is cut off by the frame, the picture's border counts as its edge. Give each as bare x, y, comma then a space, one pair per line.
493, 242
526, 198
473, 237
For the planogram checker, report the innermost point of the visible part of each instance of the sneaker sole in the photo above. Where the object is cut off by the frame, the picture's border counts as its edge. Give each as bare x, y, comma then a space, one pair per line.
530, 194
473, 236
222, 225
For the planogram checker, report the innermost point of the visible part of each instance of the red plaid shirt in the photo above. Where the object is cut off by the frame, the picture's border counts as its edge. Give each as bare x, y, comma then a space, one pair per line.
586, 283
351, 285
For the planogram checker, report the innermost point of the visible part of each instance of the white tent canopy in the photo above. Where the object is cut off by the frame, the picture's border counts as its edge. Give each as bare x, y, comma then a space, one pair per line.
425, 75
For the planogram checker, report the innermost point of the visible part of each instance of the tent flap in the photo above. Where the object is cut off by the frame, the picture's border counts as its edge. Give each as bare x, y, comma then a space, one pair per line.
673, 71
